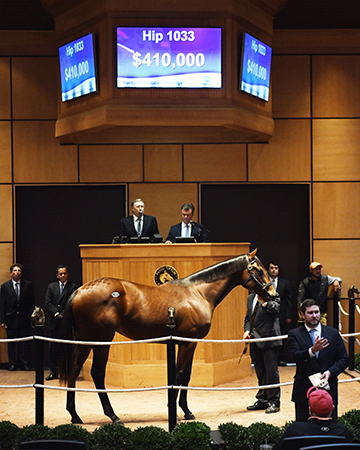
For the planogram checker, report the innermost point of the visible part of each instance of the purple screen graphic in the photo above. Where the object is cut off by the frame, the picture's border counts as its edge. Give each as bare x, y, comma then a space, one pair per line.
168, 57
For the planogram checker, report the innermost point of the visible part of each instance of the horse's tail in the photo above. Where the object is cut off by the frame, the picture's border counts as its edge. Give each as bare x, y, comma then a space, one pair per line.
66, 352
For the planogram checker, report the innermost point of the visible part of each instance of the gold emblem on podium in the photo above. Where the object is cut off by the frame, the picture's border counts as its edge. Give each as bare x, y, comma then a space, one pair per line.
163, 274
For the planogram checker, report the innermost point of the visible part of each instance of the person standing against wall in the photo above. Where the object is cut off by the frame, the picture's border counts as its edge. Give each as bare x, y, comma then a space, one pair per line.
57, 294
16, 305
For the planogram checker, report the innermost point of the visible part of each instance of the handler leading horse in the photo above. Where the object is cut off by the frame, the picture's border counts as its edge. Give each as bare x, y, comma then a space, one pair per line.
102, 307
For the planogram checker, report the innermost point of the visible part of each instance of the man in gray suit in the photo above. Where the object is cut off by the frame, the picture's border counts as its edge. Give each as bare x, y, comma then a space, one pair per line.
262, 320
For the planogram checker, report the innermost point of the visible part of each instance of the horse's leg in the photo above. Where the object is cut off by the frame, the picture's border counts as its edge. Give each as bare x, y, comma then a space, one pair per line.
100, 358
183, 373
81, 354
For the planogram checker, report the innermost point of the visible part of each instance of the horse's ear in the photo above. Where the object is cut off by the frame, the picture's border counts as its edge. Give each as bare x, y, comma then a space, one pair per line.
252, 254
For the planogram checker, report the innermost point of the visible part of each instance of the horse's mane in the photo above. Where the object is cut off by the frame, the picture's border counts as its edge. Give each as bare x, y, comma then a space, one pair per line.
215, 272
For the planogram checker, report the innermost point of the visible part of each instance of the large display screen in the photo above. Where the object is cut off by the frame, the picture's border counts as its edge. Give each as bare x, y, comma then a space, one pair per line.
255, 67
77, 68
168, 57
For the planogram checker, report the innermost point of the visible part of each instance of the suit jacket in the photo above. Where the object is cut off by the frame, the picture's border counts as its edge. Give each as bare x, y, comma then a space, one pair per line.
286, 304
16, 314
266, 322
333, 358
55, 303
150, 227
197, 230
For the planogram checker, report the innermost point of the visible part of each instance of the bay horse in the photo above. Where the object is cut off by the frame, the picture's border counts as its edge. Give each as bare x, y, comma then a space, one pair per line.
104, 306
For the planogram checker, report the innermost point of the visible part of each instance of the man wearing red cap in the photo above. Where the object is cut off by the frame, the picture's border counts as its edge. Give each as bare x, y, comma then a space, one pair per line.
316, 286
319, 423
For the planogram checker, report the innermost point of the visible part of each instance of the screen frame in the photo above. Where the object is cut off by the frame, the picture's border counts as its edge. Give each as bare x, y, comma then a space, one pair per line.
264, 97
95, 67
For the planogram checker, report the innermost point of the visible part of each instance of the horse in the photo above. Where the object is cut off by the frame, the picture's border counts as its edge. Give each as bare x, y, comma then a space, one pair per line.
37, 317
104, 306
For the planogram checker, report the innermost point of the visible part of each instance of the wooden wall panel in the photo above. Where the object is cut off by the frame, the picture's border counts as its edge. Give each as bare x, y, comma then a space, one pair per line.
110, 163
6, 259
336, 153
338, 259
336, 210
5, 109
39, 157
215, 162
336, 87
164, 201
6, 212
287, 157
291, 86
5, 152
35, 88
163, 163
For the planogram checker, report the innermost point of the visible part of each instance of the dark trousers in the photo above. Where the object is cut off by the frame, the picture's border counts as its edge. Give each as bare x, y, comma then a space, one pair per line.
54, 349
266, 368
18, 352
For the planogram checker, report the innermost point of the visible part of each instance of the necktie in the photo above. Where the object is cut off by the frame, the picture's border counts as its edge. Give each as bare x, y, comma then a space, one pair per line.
61, 288
273, 283
313, 338
187, 231
139, 227
17, 290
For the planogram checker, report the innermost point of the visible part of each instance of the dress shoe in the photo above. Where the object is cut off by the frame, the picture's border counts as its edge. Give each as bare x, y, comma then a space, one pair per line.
52, 376
257, 406
11, 367
272, 408
27, 368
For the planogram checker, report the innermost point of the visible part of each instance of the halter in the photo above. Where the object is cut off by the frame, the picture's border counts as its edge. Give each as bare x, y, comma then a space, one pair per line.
253, 276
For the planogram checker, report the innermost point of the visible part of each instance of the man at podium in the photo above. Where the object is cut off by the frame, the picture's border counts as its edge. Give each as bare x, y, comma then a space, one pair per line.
187, 228
138, 225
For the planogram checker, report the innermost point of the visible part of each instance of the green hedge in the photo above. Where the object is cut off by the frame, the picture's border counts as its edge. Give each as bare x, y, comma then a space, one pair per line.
185, 436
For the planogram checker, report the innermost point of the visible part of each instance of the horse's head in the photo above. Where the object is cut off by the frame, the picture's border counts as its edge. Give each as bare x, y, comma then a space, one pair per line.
255, 278
37, 317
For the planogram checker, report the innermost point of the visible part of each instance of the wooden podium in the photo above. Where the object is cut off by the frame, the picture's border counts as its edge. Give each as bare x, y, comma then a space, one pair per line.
144, 365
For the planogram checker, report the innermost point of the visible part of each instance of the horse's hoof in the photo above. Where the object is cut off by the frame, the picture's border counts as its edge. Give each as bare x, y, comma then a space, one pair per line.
76, 420
189, 416
117, 420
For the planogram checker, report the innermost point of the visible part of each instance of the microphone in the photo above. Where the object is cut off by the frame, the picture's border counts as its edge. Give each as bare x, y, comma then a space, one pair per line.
201, 227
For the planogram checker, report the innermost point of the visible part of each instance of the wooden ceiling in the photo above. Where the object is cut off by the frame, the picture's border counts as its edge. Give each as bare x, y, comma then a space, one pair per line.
294, 14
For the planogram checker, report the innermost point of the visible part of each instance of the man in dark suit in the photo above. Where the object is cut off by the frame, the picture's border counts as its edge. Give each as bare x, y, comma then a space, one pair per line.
138, 224
187, 227
57, 294
283, 288
324, 353
16, 305
262, 320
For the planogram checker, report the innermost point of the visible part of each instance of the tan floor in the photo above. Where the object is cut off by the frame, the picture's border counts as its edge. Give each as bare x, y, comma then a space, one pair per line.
150, 408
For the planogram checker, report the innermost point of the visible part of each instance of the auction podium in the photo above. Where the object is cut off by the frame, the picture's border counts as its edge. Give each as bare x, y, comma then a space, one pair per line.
144, 365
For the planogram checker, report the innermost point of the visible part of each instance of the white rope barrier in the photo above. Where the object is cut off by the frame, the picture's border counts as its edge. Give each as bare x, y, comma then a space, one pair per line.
157, 340
160, 340
342, 309
159, 388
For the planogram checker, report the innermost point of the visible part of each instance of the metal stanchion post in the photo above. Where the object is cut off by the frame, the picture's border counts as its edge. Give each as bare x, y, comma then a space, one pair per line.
336, 310
351, 296
171, 369
39, 366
